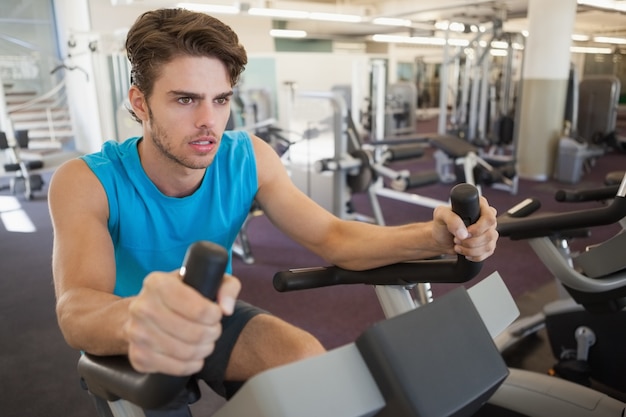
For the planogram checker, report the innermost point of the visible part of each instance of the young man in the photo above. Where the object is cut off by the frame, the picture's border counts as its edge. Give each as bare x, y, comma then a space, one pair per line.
124, 217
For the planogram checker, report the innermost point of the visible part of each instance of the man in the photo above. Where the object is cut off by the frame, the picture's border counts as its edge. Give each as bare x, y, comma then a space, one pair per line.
123, 218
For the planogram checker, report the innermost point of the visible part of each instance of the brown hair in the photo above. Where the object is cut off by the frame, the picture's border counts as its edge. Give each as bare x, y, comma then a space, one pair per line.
158, 36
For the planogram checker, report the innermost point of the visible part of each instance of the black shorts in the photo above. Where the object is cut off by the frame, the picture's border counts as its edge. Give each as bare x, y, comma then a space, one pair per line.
215, 365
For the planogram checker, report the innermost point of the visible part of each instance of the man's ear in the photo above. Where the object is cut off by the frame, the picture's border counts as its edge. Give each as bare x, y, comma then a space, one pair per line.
138, 102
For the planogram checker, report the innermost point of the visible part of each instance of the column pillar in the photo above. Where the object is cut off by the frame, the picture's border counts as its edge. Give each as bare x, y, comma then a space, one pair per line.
544, 86
89, 132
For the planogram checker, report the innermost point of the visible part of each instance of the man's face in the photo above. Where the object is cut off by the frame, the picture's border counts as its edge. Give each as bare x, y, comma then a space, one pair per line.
188, 110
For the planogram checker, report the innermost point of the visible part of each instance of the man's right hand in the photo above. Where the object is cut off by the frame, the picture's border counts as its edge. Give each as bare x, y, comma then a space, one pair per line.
172, 328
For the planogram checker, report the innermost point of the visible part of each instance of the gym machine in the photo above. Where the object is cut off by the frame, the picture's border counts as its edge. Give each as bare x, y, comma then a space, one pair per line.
22, 178
482, 111
317, 133
391, 109
329, 161
388, 371
590, 118
599, 101
584, 326
457, 160
376, 375
253, 112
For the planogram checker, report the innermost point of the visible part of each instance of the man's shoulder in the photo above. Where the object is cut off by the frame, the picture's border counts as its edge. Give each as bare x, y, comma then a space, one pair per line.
236, 135
111, 151
236, 141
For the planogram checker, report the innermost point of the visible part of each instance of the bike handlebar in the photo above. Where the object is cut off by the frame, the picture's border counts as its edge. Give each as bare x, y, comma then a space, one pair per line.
464, 200
113, 377
595, 194
541, 225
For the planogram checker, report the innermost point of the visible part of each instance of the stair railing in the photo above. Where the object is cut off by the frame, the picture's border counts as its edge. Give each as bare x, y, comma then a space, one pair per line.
56, 92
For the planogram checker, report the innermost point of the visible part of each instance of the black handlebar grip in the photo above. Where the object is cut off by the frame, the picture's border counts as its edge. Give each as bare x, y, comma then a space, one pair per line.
595, 194
112, 377
204, 266
464, 199
465, 202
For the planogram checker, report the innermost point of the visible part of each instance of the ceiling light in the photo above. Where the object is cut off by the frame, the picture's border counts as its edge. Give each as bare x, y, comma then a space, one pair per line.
335, 17
456, 27
299, 14
419, 40
498, 52
499, 44
606, 39
458, 42
209, 8
442, 25
580, 38
287, 33
391, 21
604, 4
288, 14
590, 50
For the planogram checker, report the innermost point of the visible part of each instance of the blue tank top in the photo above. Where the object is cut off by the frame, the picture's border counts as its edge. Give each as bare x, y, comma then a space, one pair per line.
151, 231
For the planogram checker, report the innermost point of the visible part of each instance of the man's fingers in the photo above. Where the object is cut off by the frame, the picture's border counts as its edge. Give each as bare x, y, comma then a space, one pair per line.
228, 293
144, 360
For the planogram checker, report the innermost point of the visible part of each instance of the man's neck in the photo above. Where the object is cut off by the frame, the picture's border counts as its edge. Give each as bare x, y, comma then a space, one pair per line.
170, 177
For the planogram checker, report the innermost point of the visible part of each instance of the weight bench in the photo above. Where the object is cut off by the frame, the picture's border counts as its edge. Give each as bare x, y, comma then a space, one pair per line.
18, 168
474, 168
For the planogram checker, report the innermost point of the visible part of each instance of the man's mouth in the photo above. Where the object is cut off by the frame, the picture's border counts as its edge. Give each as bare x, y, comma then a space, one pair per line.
203, 145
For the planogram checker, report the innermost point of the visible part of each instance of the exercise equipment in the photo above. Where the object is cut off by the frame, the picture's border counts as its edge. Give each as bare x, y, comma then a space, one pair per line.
479, 89
253, 112
362, 383
530, 394
460, 161
317, 132
330, 162
22, 178
391, 108
377, 176
584, 326
598, 104
477, 106
593, 129
377, 375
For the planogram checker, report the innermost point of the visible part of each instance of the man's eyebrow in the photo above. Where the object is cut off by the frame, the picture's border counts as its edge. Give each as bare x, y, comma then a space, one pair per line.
196, 96
181, 93
224, 95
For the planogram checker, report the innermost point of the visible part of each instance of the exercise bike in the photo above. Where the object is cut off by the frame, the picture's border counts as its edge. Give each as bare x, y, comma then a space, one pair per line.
583, 325
391, 371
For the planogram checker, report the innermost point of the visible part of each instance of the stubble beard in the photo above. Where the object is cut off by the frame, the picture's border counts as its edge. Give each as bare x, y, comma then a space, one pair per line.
162, 142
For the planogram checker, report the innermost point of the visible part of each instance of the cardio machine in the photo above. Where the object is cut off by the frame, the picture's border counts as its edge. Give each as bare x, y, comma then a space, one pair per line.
583, 327
389, 371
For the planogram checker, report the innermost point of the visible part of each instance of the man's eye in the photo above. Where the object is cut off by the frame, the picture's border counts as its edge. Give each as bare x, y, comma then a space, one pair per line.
185, 100
222, 100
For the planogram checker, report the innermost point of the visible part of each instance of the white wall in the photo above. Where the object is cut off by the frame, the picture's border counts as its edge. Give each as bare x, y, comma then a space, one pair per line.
94, 113
253, 32
313, 72
73, 17
90, 98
